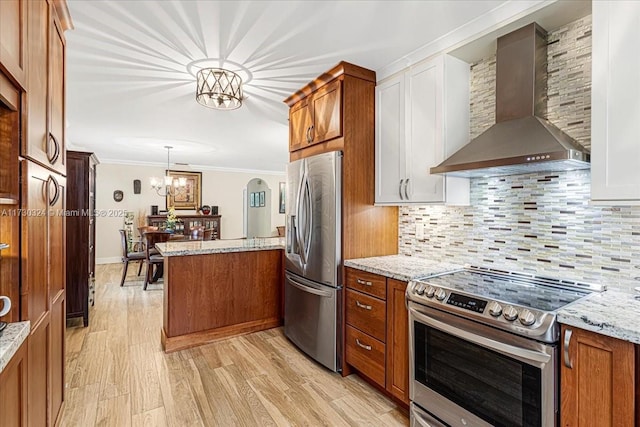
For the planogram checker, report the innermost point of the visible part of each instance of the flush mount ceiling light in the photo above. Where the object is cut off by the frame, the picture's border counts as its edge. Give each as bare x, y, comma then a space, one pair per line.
219, 89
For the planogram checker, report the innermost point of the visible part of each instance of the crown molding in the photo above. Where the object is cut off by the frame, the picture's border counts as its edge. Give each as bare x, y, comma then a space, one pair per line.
194, 168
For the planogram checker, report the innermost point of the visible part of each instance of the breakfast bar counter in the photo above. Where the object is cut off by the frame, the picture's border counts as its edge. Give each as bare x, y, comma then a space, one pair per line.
220, 288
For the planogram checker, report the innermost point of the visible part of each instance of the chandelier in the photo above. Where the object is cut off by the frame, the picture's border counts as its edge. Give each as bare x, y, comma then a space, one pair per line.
219, 88
168, 184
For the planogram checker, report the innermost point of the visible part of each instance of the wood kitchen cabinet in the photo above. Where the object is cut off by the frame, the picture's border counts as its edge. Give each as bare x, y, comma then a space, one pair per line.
189, 221
316, 118
615, 131
13, 27
45, 139
13, 389
422, 117
377, 331
597, 378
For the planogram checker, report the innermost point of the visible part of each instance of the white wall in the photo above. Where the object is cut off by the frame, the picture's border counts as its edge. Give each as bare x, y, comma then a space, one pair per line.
224, 189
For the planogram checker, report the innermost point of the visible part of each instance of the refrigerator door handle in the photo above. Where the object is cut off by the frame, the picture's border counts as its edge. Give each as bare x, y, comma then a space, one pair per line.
308, 208
309, 289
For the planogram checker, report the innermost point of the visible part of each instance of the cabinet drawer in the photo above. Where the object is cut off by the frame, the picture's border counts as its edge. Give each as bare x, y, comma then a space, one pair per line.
369, 283
366, 354
367, 314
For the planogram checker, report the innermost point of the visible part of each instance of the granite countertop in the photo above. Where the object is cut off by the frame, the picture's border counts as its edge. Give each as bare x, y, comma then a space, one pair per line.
11, 338
401, 267
612, 313
220, 246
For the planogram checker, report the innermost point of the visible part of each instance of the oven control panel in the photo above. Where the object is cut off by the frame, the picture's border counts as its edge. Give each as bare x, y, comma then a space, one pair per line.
467, 302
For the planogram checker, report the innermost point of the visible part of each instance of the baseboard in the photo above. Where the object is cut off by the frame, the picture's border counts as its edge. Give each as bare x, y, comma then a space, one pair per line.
182, 342
109, 260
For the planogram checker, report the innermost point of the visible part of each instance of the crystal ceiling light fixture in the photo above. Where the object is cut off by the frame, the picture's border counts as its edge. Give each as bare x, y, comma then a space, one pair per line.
219, 89
168, 184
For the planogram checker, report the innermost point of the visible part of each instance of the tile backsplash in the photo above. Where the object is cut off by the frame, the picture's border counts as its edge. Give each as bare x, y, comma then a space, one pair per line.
541, 223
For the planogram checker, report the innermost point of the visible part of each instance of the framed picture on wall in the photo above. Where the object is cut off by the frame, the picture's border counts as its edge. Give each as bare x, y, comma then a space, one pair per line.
261, 198
188, 197
281, 198
252, 200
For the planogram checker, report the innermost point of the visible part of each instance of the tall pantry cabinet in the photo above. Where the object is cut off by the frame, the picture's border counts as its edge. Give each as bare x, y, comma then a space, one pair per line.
43, 198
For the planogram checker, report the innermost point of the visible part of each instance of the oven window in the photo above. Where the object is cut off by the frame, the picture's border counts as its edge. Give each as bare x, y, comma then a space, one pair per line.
496, 388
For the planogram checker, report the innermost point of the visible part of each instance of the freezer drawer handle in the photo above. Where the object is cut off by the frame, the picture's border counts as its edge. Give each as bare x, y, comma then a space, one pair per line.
308, 289
366, 347
364, 282
361, 305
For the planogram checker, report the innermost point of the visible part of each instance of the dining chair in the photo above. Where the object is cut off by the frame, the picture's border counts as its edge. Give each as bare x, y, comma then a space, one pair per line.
152, 256
129, 256
141, 231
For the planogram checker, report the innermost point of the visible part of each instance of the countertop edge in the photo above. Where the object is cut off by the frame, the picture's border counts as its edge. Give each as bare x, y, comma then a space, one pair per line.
11, 339
173, 249
395, 266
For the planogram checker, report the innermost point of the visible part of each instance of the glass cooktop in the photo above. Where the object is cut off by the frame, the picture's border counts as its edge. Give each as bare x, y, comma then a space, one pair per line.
540, 294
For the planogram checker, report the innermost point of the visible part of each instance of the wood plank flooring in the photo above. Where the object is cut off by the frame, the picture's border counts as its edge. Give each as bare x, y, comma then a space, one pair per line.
118, 375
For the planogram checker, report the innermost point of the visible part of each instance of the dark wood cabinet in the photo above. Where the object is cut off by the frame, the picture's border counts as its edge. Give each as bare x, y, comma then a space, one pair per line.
377, 331
598, 380
187, 222
13, 389
81, 230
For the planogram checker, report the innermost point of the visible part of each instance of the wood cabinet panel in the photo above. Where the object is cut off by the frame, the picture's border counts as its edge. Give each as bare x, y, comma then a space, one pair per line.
208, 293
56, 136
366, 354
368, 283
39, 368
326, 113
299, 125
13, 26
599, 388
56, 223
13, 389
35, 144
58, 327
367, 314
397, 341
35, 192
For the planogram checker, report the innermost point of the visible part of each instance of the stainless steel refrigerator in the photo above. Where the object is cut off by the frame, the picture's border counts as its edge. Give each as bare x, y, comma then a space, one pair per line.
312, 295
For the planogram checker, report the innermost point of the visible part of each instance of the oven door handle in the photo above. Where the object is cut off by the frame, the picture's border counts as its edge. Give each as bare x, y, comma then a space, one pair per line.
530, 357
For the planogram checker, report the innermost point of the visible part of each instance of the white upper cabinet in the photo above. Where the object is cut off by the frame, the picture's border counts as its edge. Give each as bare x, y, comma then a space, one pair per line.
422, 116
615, 100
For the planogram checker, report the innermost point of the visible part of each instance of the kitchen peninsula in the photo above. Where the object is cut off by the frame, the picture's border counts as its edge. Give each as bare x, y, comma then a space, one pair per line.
220, 288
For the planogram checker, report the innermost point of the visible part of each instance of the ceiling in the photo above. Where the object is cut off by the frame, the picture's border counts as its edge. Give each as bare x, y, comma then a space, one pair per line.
130, 65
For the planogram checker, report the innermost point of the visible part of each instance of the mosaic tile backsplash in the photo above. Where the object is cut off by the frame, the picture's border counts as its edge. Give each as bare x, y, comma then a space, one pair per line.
538, 223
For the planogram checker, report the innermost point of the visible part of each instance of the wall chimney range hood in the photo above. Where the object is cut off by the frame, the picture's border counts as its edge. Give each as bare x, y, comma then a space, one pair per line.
521, 141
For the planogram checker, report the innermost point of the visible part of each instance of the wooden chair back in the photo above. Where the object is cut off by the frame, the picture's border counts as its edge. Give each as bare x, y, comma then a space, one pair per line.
208, 234
123, 241
151, 238
197, 232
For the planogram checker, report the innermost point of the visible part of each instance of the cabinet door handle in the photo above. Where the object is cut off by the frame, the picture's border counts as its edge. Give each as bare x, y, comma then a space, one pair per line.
400, 189
53, 158
307, 135
363, 282
567, 341
366, 347
56, 195
361, 305
311, 134
406, 185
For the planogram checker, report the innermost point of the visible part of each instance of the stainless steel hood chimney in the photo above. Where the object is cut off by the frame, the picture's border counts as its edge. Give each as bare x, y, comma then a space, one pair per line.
521, 141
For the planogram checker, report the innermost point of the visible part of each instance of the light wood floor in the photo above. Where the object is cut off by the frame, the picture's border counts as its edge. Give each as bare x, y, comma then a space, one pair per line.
117, 374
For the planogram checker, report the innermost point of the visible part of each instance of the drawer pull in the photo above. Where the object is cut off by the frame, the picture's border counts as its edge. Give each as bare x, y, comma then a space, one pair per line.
361, 305
364, 282
366, 347
567, 341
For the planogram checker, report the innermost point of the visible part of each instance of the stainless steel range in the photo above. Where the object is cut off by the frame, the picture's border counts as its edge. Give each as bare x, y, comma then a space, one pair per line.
484, 347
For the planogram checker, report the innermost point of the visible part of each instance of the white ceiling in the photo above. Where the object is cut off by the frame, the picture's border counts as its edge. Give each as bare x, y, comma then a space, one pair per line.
129, 91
